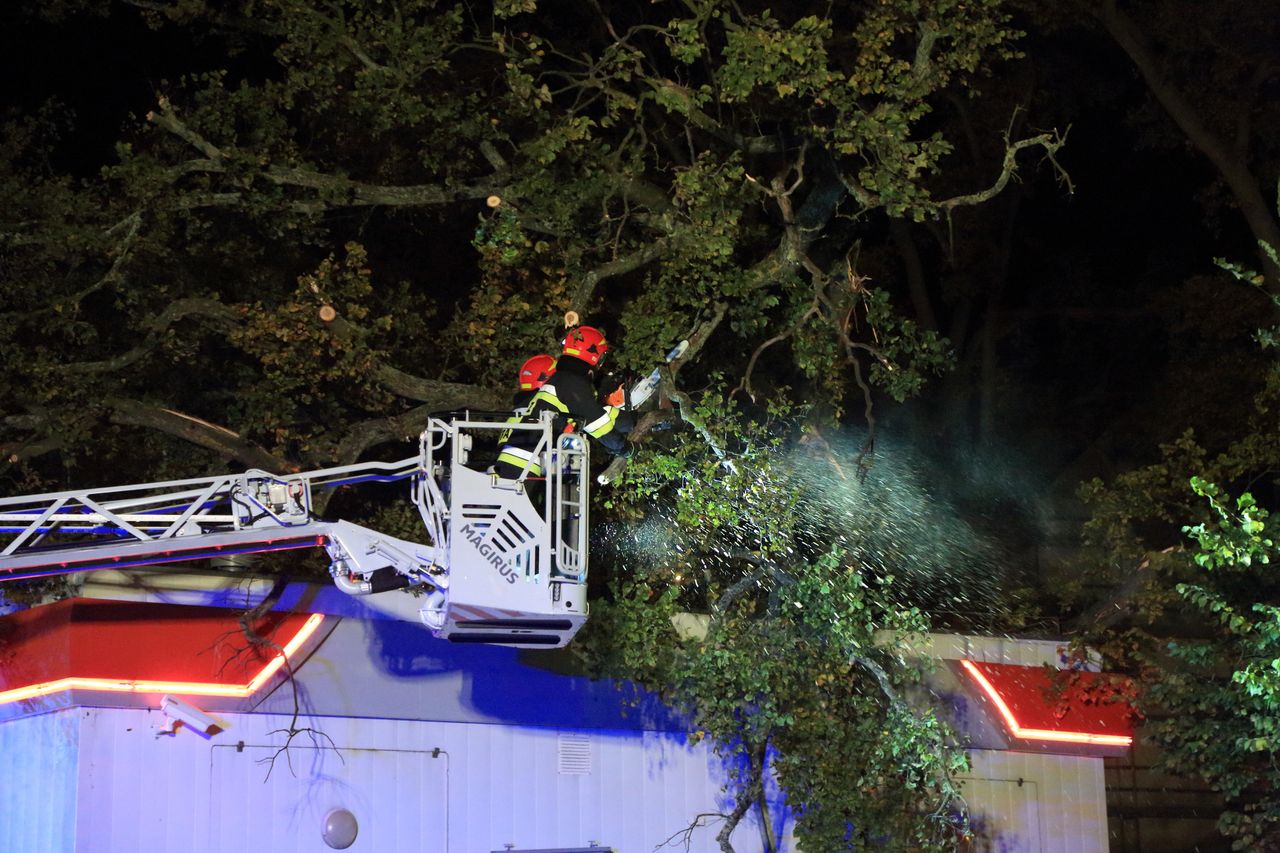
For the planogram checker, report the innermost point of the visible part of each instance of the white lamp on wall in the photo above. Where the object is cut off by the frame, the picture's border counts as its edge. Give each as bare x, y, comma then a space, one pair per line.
339, 829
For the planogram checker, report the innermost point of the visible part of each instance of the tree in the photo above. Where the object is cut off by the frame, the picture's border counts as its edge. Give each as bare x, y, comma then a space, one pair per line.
710, 167
797, 665
243, 285
1196, 623
1212, 81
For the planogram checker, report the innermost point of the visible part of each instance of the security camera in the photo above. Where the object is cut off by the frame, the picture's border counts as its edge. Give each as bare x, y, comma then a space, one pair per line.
182, 713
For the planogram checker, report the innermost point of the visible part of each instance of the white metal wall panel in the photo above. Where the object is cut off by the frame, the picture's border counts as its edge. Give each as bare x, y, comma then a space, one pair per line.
38, 783
501, 784
1059, 807
397, 796
490, 786
496, 785
1005, 815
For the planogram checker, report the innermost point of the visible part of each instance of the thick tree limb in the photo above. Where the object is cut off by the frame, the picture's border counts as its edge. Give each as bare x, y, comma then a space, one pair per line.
701, 334
751, 790
439, 395
199, 432
436, 395
361, 436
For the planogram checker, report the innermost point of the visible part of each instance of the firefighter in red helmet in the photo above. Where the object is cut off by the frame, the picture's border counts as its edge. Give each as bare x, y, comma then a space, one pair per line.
517, 445
573, 395
570, 393
533, 375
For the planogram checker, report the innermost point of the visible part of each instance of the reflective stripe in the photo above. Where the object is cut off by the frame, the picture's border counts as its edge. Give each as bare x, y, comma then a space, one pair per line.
521, 459
602, 425
547, 394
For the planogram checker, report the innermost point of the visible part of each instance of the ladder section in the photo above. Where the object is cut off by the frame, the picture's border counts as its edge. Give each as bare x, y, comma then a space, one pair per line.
122, 526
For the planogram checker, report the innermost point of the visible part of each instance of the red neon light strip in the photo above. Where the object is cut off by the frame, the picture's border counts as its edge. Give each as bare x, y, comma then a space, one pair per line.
189, 688
1038, 734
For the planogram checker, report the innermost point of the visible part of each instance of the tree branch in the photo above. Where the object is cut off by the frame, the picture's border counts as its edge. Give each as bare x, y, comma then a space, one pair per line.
1050, 142
745, 384
684, 836
438, 394
219, 439
751, 791
701, 334
130, 225
618, 266
361, 436
338, 191
156, 327
1257, 211
749, 145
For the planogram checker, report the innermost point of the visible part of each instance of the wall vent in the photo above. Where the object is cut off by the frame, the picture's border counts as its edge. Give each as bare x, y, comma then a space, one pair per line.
575, 755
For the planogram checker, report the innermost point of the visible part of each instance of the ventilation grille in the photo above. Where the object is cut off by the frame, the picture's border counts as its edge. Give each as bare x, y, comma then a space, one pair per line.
527, 560
510, 533
575, 755
480, 515
570, 562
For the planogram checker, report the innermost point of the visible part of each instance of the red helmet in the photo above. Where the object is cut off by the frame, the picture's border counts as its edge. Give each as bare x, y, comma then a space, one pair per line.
536, 371
586, 343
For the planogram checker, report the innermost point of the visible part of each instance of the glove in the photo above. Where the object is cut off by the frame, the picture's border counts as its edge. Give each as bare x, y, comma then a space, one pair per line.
617, 399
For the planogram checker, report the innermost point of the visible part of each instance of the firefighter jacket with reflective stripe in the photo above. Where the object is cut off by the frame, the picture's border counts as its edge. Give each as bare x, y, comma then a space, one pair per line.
571, 394
517, 445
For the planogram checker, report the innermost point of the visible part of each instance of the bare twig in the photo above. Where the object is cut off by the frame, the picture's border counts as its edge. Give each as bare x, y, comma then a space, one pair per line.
745, 385
257, 642
684, 837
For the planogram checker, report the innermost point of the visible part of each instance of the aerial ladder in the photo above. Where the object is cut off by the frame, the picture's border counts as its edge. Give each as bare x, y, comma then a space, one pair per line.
502, 562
